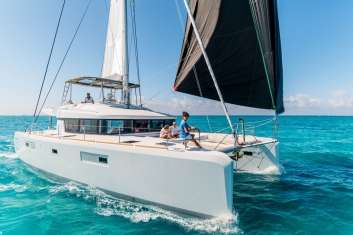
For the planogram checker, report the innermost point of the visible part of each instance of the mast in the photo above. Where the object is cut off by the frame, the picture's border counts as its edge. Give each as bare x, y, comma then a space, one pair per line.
208, 65
125, 75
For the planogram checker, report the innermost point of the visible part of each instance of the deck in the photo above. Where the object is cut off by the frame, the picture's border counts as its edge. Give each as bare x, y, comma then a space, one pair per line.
209, 141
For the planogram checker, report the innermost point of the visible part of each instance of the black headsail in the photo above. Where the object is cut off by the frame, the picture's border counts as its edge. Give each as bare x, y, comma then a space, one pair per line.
242, 41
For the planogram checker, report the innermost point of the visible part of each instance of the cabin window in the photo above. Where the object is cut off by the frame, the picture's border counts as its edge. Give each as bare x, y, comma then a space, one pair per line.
113, 127
72, 125
156, 125
140, 126
89, 126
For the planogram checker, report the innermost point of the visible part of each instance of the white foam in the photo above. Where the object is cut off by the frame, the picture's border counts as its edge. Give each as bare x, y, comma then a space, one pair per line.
11, 155
12, 186
141, 213
271, 170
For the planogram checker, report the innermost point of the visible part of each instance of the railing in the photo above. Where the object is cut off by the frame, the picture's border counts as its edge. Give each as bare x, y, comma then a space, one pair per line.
242, 130
86, 130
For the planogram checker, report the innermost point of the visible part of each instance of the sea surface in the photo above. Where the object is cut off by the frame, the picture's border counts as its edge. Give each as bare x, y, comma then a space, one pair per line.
313, 196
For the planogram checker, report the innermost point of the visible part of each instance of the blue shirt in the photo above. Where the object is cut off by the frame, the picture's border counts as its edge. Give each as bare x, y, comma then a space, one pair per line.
183, 125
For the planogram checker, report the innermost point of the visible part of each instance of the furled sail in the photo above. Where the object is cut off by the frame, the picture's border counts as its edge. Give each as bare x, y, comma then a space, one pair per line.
242, 40
115, 56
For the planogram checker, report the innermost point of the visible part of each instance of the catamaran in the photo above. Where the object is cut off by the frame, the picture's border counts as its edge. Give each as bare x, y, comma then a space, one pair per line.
231, 53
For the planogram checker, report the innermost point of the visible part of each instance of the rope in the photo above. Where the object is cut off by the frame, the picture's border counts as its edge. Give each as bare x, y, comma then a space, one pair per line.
49, 59
253, 5
64, 58
199, 87
260, 121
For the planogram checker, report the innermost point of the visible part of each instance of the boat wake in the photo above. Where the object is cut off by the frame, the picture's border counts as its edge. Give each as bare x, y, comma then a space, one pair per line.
12, 186
10, 155
107, 205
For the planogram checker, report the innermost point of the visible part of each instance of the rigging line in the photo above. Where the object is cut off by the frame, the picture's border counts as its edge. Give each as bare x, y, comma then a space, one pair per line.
199, 87
49, 59
257, 28
64, 58
193, 68
134, 30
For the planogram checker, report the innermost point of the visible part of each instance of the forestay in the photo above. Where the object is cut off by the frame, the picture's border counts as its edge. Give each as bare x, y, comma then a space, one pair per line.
242, 41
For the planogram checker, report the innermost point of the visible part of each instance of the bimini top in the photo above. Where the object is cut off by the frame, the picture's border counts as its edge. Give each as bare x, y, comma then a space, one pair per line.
100, 82
242, 41
106, 111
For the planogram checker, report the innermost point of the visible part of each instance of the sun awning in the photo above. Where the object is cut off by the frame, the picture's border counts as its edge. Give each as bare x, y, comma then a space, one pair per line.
100, 82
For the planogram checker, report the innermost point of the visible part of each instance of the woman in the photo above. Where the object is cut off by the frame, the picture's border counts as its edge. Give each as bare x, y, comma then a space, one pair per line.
174, 131
164, 133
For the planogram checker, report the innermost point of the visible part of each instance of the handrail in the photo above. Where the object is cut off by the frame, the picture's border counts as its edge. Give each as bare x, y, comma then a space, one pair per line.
149, 131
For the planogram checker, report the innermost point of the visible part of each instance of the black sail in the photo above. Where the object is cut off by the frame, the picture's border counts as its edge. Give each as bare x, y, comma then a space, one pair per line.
242, 41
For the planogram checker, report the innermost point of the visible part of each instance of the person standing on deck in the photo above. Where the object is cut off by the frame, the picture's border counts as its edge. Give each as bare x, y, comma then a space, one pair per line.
185, 130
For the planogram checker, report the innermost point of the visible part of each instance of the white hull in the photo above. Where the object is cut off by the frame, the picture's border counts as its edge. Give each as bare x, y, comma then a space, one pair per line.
257, 155
261, 159
193, 182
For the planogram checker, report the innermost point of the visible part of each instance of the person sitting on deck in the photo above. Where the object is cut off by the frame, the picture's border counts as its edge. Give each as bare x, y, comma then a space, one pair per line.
89, 99
174, 131
185, 130
164, 133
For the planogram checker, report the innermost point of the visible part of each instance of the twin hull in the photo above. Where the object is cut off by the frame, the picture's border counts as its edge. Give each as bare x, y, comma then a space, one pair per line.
192, 182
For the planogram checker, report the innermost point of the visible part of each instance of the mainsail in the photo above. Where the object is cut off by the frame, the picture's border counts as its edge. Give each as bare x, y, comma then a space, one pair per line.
115, 56
242, 40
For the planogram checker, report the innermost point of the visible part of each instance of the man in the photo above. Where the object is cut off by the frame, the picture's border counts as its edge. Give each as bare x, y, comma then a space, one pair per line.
185, 130
89, 99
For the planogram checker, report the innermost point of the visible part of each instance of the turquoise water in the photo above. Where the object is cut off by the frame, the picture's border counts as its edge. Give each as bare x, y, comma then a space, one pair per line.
313, 196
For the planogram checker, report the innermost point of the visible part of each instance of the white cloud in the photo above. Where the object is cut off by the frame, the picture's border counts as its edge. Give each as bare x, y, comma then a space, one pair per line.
302, 101
340, 99
339, 102
199, 106
179, 103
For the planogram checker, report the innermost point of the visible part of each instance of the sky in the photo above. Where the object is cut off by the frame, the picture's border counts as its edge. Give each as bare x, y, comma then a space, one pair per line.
317, 51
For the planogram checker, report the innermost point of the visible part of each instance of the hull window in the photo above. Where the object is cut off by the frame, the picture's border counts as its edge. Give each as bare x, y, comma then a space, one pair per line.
103, 160
30, 145
247, 153
93, 157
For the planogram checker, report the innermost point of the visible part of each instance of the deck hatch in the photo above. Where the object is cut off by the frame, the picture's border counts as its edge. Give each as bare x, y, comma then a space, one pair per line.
94, 157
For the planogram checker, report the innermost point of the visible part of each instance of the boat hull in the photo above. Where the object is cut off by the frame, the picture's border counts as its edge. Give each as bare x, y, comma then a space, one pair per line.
260, 159
193, 182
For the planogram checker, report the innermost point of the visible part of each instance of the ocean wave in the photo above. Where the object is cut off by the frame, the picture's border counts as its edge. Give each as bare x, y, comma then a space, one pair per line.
107, 205
12, 186
11, 155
